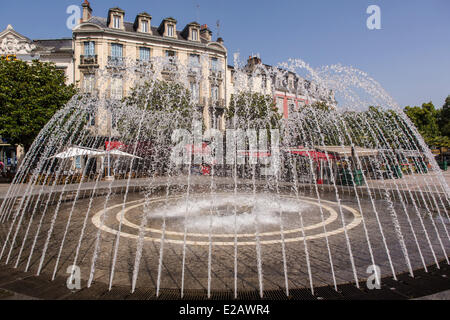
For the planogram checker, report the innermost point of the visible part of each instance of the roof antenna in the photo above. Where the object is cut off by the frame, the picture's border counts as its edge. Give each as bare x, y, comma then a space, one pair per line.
197, 12
218, 28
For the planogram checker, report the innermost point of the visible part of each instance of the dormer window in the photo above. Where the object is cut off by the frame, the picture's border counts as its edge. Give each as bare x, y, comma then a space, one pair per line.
194, 35
116, 22
142, 23
191, 32
115, 18
167, 28
144, 26
170, 30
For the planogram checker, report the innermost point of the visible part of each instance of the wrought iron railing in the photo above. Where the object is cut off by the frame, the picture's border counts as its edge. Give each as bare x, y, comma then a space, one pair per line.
88, 60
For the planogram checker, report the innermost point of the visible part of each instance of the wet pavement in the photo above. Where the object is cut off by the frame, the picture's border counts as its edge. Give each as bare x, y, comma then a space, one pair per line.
402, 237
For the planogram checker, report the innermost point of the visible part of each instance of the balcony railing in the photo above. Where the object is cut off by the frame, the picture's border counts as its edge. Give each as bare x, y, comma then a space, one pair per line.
214, 73
171, 66
194, 70
115, 61
88, 61
217, 103
147, 63
200, 101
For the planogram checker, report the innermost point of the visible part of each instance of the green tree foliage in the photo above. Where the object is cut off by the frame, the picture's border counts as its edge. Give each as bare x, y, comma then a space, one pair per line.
161, 95
253, 110
167, 106
444, 118
158, 108
320, 105
30, 94
425, 118
433, 124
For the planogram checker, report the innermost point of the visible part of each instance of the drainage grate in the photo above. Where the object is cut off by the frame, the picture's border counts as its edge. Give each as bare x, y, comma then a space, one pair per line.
301, 294
140, 294
169, 294
275, 295
436, 280
327, 293
116, 293
94, 292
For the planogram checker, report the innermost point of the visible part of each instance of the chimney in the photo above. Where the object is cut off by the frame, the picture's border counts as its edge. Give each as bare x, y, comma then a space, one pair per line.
87, 11
205, 33
253, 61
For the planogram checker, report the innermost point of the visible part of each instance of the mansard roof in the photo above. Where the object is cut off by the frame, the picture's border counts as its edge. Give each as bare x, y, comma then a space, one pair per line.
54, 45
185, 32
129, 27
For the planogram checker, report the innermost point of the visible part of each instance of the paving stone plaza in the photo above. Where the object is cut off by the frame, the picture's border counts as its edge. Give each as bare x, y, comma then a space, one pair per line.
215, 258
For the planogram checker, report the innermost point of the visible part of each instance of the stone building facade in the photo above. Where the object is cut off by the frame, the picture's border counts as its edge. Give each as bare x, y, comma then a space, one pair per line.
111, 41
102, 43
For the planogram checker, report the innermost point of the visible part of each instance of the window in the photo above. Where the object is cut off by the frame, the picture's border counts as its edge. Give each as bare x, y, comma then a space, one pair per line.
194, 60
89, 48
116, 21
280, 105
116, 88
195, 91
264, 81
171, 55
78, 162
214, 64
144, 54
89, 83
145, 26
170, 30
291, 105
116, 53
116, 50
90, 118
214, 93
216, 117
195, 34
114, 119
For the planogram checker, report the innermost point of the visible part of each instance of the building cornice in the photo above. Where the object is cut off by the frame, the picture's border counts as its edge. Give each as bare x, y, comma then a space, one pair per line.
142, 37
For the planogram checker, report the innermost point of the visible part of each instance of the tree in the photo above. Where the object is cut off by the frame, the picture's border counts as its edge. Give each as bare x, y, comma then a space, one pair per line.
253, 110
158, 108
30, 94
444, 118
321, 105
158, 95
425, 119
430, 122
167, 106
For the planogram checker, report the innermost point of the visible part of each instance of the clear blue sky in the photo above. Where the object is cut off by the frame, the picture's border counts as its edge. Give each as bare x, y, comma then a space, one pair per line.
410, 56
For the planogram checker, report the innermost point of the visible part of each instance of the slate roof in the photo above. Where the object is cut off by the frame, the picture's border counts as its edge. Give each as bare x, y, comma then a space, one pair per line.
129, 27
54, 45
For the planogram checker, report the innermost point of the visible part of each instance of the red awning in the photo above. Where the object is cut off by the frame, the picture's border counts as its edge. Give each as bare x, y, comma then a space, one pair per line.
255, 154
113, 145
315, 155
196, 150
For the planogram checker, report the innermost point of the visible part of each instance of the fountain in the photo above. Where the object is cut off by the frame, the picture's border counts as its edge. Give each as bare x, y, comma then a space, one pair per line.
139, 193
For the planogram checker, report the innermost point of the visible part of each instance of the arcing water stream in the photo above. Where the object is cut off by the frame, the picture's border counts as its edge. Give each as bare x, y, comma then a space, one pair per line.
260, 201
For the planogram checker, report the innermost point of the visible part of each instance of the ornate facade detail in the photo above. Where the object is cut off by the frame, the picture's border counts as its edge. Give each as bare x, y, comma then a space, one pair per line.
11, 43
